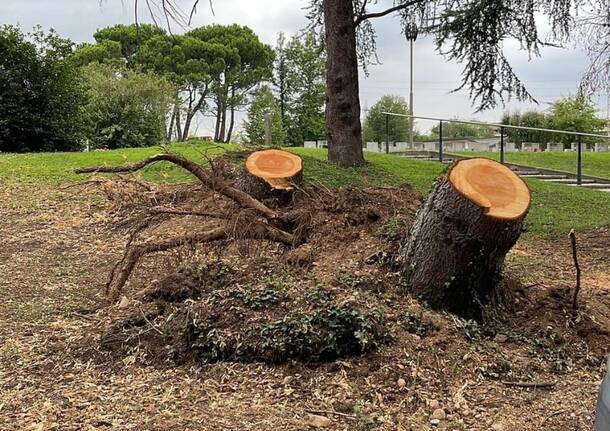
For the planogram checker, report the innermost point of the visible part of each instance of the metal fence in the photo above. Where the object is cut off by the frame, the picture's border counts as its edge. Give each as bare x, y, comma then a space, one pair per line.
502, 138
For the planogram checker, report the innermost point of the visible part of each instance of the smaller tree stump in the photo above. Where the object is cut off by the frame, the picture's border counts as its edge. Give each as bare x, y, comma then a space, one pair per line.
271, 173
457, 245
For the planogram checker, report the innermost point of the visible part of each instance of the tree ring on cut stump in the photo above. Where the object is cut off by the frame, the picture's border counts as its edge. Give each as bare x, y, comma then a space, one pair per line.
276, 167
271, 174
496, 189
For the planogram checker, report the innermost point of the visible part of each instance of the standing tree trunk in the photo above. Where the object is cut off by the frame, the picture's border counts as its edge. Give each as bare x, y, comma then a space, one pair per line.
170, 128
471, 219
344, 131
188, 117
231, 124
193, 110
187, 125
217, 127
223, 121
178, 125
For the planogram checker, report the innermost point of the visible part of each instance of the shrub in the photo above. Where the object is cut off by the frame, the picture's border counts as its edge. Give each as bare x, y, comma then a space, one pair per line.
41, 93
126, 108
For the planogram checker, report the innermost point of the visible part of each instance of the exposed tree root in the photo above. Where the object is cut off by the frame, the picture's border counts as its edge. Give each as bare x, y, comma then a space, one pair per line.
217, 184
126, 265
254, 221
134, 253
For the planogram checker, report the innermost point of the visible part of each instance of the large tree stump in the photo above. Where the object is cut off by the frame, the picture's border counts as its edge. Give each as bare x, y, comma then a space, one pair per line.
271, 173
471, 219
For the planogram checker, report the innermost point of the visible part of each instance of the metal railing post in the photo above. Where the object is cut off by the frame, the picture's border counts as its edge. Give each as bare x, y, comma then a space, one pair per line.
440, 141
387, 134
502, 145
579, 168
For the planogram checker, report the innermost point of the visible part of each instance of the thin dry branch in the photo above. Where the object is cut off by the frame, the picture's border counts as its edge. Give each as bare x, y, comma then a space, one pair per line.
364, 16
577, 266
531, 384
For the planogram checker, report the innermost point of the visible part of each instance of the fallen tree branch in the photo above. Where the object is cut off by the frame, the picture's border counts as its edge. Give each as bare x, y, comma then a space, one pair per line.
243, 199
577, 266
531, 384
133, 254
331, 412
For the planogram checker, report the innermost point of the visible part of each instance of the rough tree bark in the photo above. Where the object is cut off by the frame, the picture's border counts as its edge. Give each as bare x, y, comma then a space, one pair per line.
344, 131
457, 245
170, 128
178, 124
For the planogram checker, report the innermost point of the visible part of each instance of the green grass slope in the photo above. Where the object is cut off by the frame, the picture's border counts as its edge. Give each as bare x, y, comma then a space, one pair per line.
556, 208
596, 164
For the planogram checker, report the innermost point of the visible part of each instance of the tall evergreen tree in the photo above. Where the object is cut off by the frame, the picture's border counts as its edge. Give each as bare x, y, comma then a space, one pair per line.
250, 62
280, 75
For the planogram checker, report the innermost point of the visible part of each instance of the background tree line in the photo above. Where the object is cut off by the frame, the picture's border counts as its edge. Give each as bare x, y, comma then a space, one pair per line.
575, 113
138, 85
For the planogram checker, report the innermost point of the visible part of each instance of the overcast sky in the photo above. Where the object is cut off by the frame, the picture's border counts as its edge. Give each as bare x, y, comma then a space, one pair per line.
554, 75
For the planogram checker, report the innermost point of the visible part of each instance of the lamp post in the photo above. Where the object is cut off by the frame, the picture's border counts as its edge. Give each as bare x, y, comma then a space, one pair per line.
411, 35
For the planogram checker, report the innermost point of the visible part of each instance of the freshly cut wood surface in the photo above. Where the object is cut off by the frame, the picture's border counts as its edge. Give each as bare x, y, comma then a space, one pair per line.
500, 193
276, 167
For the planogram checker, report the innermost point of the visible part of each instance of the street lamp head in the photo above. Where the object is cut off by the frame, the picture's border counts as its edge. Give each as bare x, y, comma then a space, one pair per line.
411, 31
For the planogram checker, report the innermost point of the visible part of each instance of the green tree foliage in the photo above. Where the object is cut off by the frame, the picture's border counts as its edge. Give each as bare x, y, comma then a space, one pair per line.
463, 130
41, 94
304, 92
126, 108
375, 121
535, 119
107, 51
248, 64
264, 103
130, 38
213, 65
575, 114
193, 65
280, 75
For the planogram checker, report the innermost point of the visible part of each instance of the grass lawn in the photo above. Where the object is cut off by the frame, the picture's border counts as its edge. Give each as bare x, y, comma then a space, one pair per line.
596, 164
57, 168
556, 208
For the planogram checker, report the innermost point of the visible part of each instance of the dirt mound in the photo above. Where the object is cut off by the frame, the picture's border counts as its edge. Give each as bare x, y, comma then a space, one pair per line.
254, 301
335, 296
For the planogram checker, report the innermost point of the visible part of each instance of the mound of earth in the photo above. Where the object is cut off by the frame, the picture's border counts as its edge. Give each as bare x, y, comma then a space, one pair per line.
335, 296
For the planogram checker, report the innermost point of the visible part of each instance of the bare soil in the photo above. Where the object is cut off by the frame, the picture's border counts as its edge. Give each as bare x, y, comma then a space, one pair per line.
71, 361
